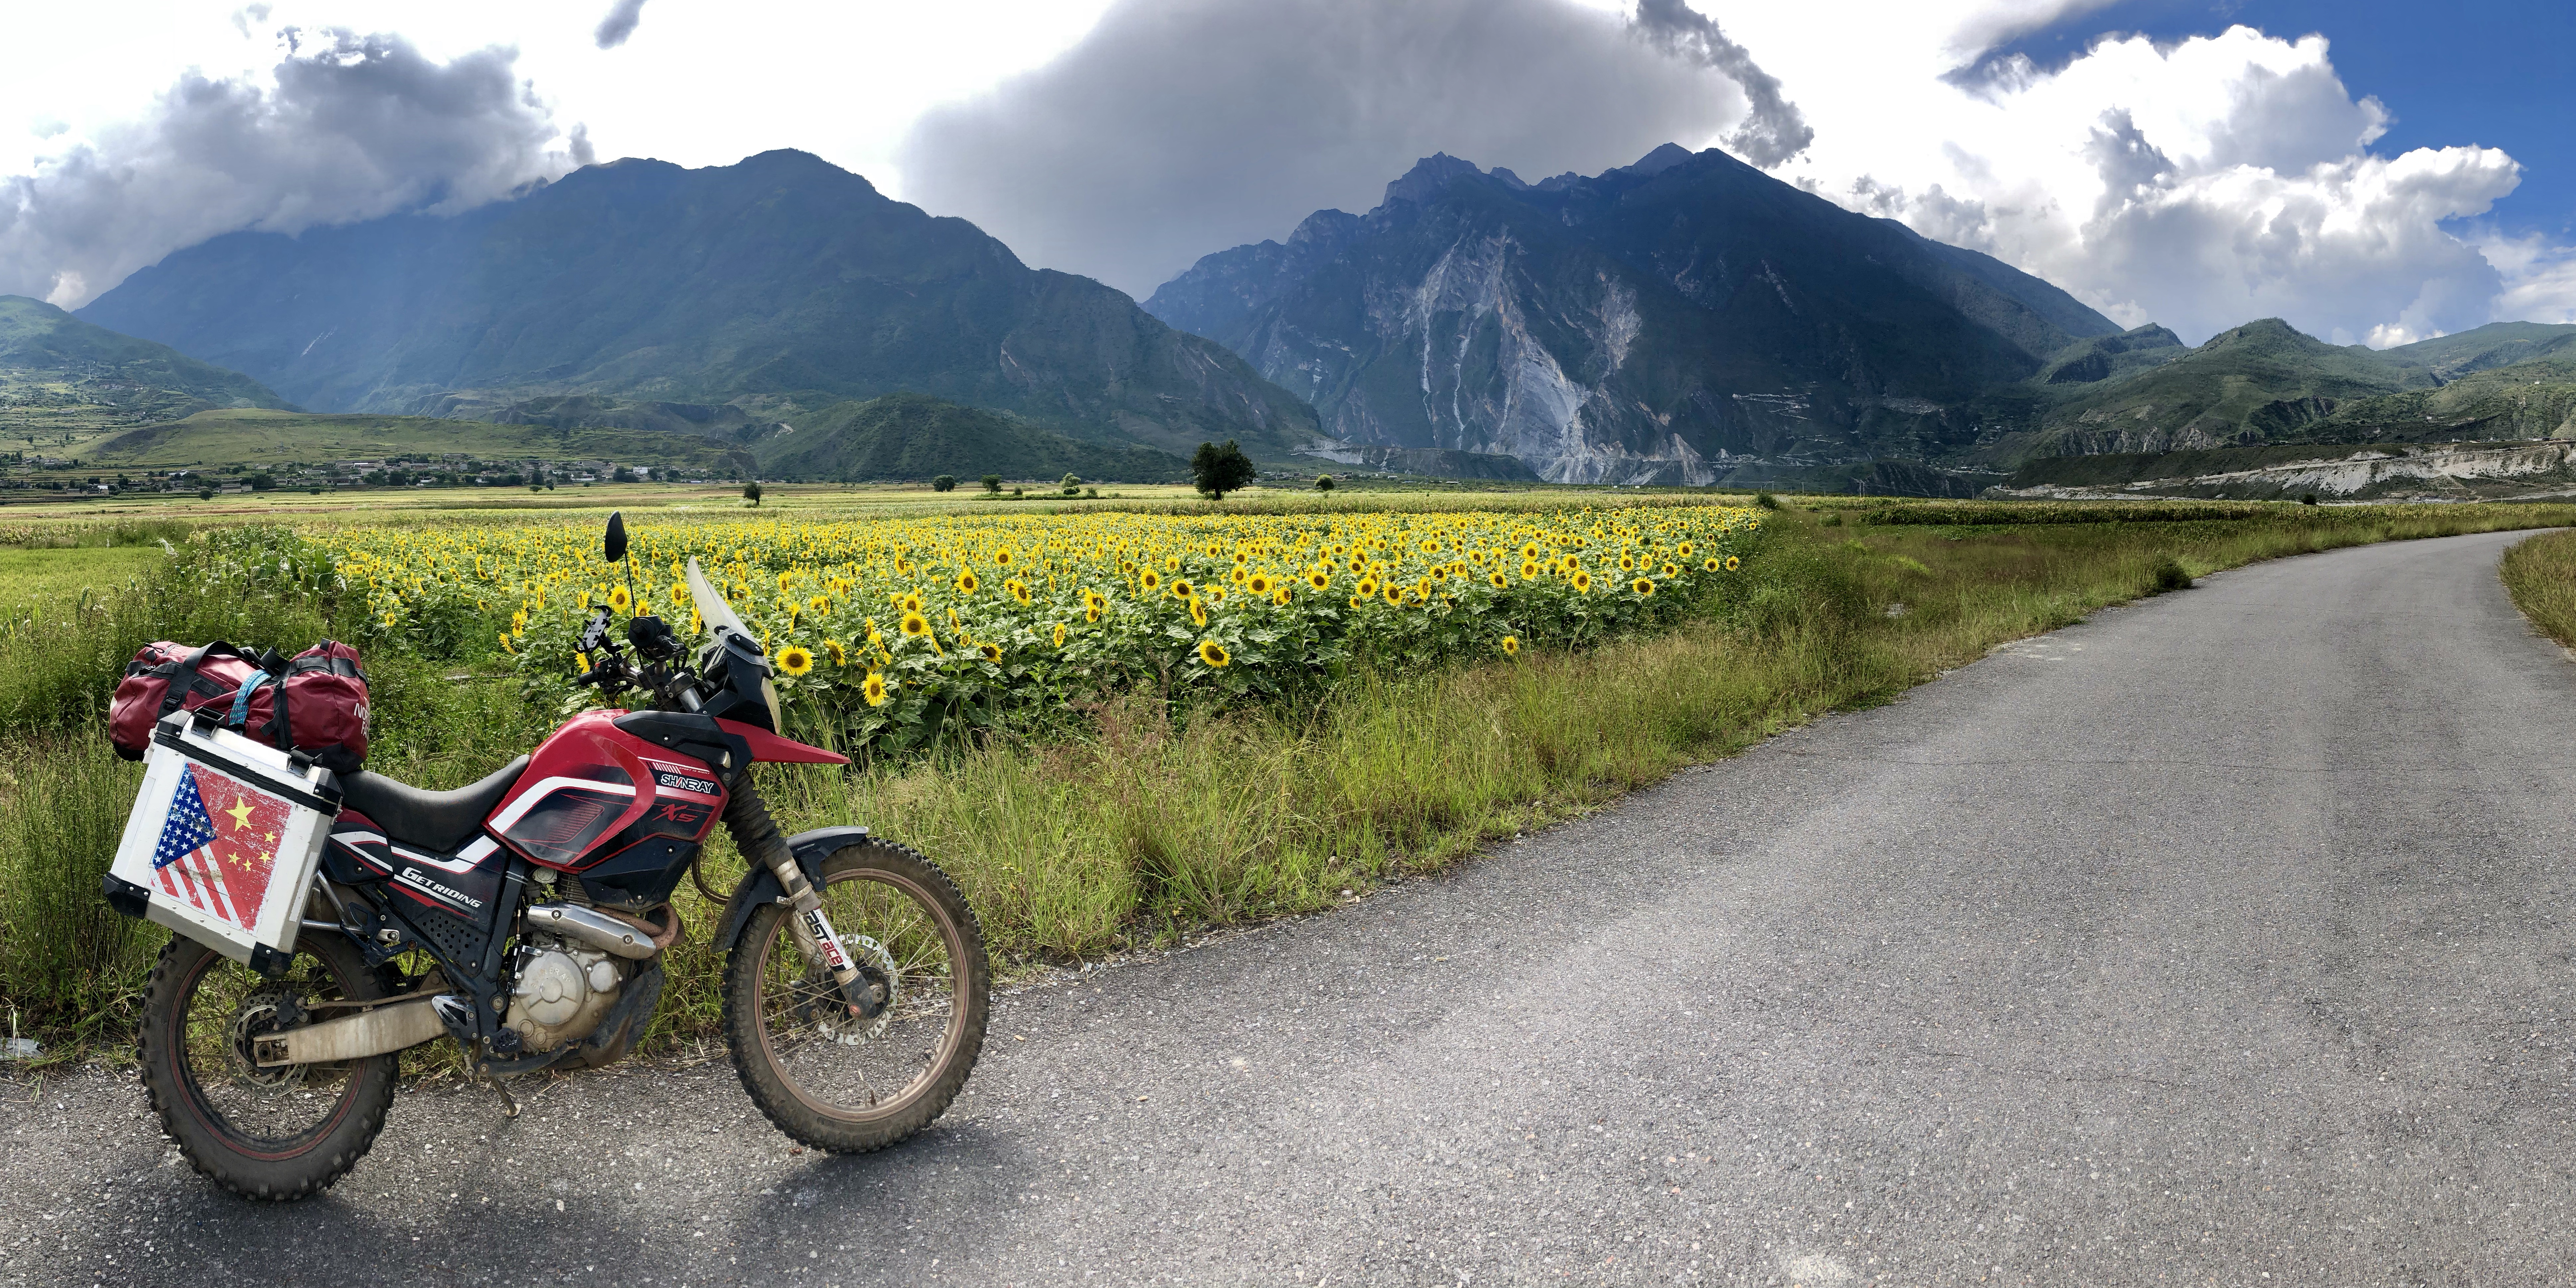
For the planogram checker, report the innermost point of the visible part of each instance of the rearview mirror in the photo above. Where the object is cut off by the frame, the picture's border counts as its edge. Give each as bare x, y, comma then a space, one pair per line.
616, 537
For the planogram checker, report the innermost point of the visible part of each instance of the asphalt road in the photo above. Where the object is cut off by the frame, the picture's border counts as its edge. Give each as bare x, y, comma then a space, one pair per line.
2222, 939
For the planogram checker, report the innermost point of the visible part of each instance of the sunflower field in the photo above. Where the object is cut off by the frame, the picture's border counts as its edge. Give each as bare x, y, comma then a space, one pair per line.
893, 634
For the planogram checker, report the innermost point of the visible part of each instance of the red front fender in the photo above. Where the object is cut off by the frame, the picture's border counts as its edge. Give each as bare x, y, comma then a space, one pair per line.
770, 747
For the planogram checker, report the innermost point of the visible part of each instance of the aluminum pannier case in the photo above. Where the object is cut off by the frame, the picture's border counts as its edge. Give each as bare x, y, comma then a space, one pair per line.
223, 840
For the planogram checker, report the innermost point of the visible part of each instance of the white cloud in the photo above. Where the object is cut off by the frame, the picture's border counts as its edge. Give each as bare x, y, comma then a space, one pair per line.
2540, 278
346, 127
1180, 127
2198, 184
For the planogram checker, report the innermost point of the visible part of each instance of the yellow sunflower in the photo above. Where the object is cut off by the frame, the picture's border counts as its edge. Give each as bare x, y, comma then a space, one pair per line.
1258, 583
1213, 654
1712, 565
1529, 570
1511, 645
1182, 589
1643, 586
1498, 580
966, 582
1319, 579
914, 624
619, 599
794, 660
1059, 634
1733, 563
840, 657
1582, 581
1149, 579
874, 688
991, 652
1198, 613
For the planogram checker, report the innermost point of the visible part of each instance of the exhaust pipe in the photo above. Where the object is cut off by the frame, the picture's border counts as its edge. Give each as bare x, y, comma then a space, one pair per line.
352, 1037
599, 930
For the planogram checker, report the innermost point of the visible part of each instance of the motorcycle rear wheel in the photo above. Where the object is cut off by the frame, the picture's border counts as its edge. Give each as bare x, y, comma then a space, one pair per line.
273, 1134
831, 1081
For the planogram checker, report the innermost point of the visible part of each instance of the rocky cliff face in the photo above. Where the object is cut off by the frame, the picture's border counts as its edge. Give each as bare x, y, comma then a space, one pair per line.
1668, 321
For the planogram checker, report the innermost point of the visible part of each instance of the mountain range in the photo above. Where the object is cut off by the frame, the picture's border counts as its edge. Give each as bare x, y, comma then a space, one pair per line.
65, 382
1682, 319
1688, 319
778, 285
1653, 323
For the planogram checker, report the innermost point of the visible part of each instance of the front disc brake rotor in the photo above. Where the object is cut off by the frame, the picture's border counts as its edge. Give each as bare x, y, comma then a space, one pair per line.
830, 1015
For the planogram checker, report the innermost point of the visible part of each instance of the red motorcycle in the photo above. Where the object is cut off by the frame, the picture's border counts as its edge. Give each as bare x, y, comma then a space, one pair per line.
525, 917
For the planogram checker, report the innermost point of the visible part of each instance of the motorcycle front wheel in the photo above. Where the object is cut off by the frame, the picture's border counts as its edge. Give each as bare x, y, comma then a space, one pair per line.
832, 1080
265, 1133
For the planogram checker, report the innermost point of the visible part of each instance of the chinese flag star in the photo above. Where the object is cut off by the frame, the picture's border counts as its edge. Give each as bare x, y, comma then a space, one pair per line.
239, 813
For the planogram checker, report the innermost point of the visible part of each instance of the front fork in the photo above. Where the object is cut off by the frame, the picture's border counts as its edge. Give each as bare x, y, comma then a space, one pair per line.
757, 837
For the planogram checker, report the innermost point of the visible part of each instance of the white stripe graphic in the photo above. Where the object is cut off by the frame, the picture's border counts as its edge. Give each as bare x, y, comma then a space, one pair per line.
212, 872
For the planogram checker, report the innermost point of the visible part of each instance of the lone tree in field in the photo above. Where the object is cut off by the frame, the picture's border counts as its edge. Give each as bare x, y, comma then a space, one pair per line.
1323, 482
993, 484
1219, 470
751, 492
944, 483
1072, 485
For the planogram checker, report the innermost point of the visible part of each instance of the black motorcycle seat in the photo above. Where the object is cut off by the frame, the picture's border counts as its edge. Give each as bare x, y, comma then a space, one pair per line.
438, 822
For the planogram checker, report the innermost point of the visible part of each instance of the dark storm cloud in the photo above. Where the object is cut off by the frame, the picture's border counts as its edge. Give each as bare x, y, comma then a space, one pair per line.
619, 24
355, 127
1179, 127
1774, 131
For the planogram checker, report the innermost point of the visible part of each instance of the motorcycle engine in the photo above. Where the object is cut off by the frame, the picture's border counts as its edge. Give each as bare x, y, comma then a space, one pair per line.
562, 991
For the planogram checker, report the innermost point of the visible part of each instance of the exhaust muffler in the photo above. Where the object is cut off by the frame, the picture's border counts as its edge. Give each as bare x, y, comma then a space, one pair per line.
589, 926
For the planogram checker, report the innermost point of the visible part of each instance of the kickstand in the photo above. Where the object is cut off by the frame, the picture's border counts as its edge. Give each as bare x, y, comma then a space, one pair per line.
509, 1107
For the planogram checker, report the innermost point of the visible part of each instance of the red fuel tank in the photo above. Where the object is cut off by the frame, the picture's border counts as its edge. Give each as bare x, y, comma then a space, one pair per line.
593, 794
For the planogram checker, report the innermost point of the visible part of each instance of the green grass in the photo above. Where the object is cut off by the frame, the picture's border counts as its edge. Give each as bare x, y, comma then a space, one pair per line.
1154, 823
37, 583
2541, 576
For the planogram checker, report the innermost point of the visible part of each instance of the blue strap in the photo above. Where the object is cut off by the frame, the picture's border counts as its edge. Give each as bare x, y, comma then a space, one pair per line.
241, 698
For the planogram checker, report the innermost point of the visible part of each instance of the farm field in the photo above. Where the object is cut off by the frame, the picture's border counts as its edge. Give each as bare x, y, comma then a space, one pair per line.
41, 582
1047, 715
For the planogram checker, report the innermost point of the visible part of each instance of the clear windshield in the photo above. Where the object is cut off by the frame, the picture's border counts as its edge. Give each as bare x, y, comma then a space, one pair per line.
719, 619
712, 608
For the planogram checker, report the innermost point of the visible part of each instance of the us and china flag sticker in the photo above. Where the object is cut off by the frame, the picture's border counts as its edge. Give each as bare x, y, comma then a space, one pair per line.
219, 860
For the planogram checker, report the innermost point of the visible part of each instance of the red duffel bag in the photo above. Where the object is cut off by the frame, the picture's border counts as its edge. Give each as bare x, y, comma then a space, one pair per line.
166, 677
315, 702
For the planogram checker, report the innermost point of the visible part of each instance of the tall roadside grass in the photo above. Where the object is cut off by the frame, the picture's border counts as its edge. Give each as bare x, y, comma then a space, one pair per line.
2540, 574
75, 967
1149, 828
1153, 823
